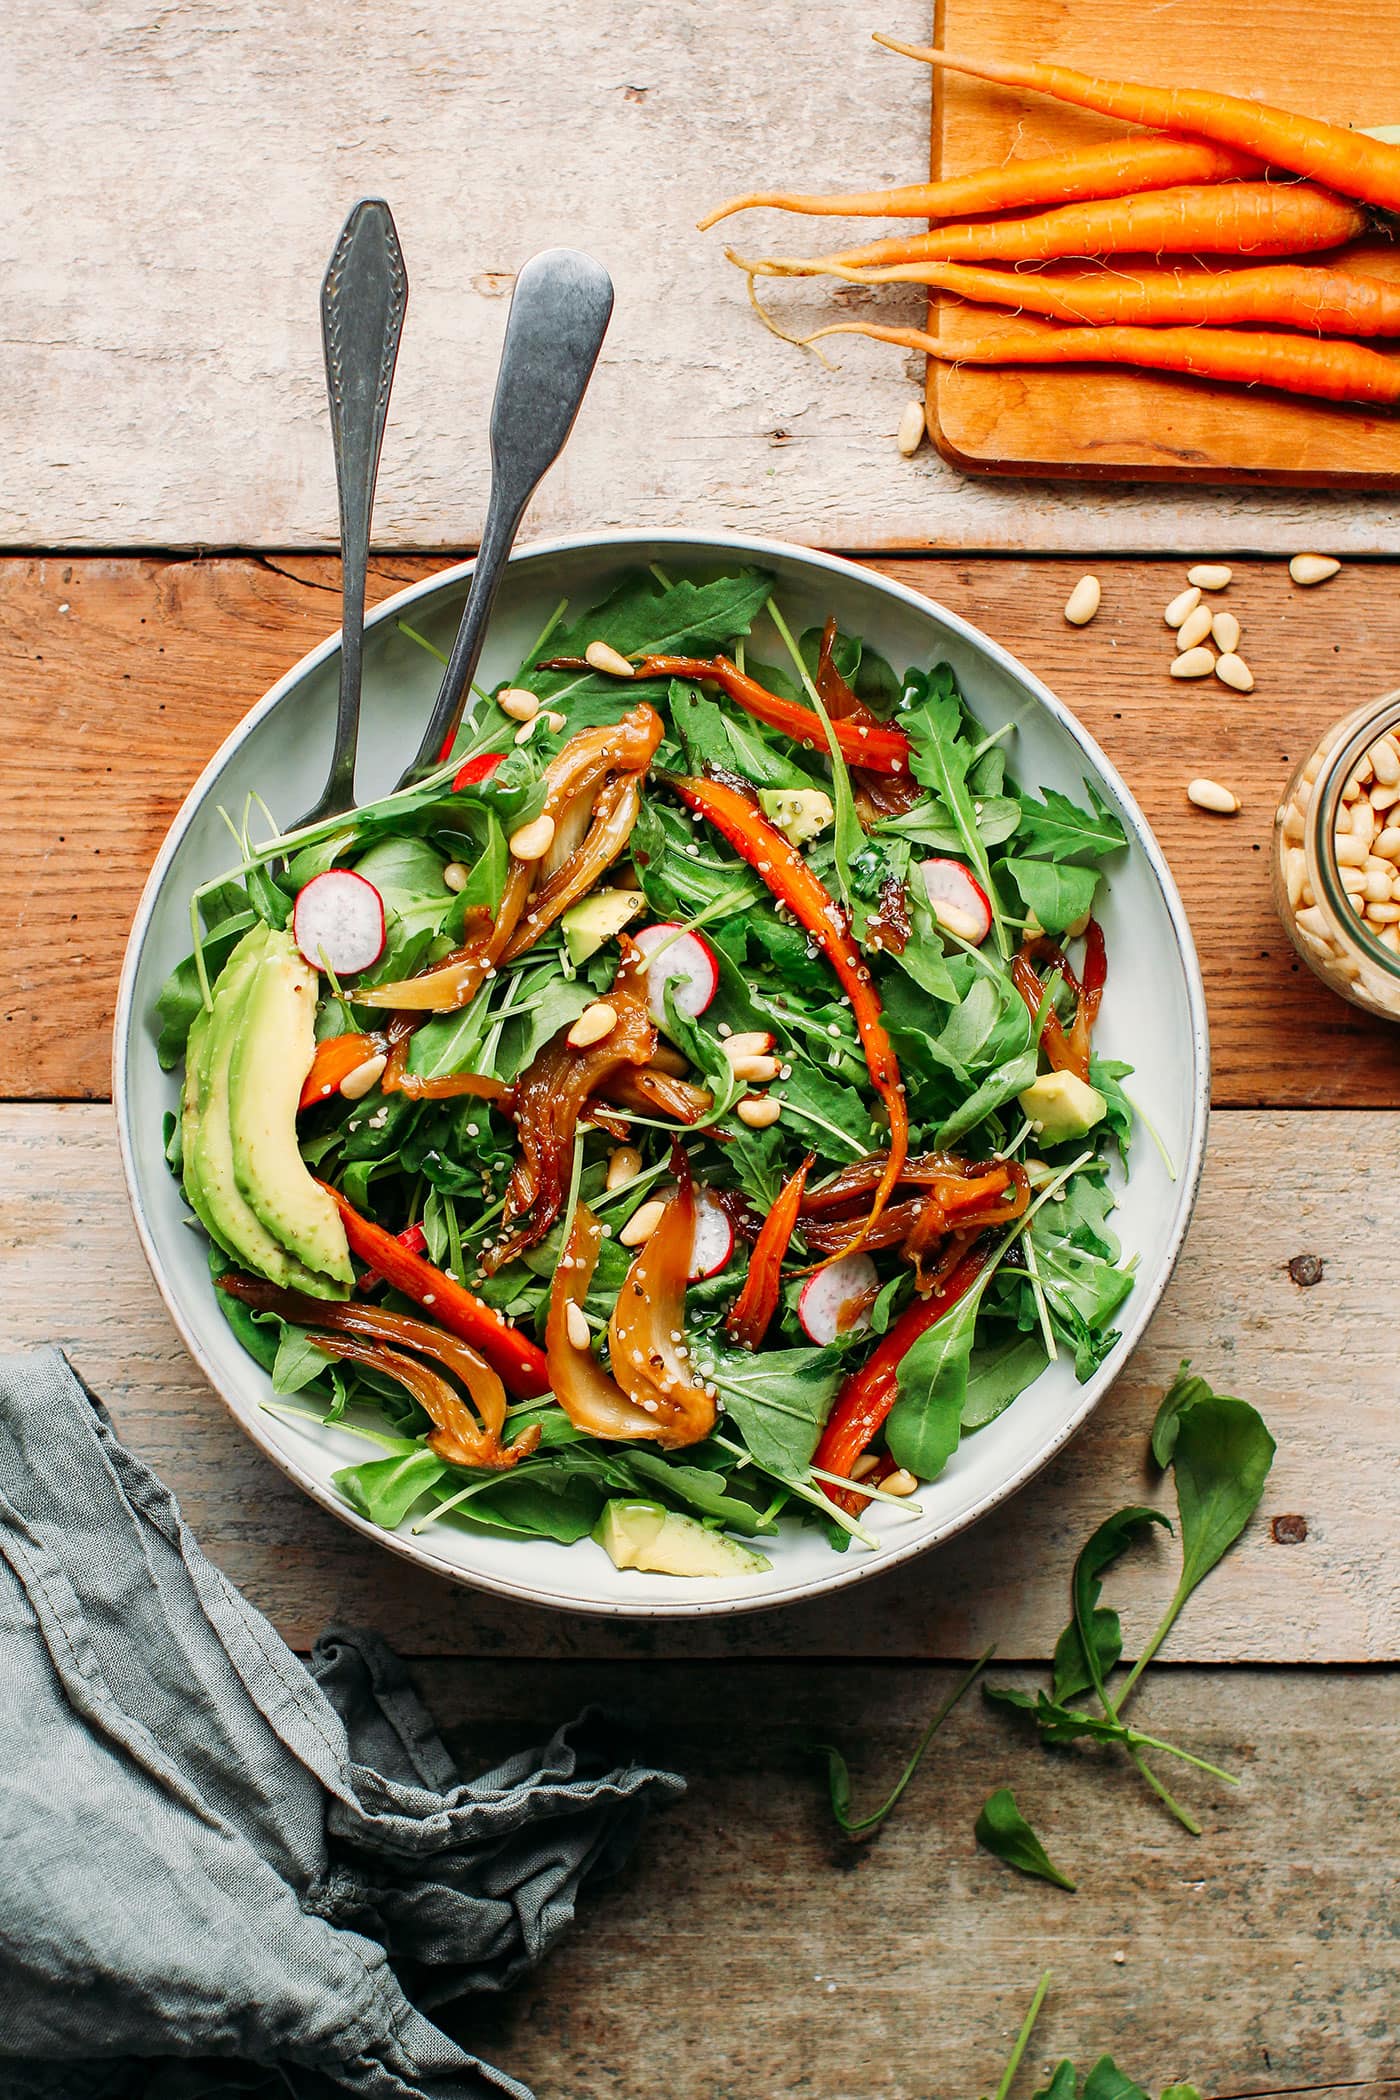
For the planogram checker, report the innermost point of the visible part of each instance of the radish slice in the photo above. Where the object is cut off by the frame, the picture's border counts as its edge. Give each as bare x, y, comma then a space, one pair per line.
836, 1300
688, 963
713, 1243
958, 902
338, 918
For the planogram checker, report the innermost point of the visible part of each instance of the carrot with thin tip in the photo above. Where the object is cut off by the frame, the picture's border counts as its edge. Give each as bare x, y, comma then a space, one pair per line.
1329, 371
1349, 161
1112, 169
1309, 296
1229, 218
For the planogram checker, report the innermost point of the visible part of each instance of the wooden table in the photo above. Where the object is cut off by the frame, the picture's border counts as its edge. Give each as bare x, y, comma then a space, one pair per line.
746, 1952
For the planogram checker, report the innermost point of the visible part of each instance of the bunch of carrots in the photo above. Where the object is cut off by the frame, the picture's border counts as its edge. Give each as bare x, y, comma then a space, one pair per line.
1217, 176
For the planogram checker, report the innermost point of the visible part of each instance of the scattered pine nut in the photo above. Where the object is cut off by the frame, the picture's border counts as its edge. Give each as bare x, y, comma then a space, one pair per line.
1208, 794
1185, 602
576, 1326
642, 1223
624, 1164
555, 722
603, 657
455, 876
1225, 632
518, 704
899, 1482
1209, 576
750, 1042
1194, 628
592, 1025
355, 1085
912, 424
527, 729
864, 1466
1306, 569
1194, 663
533, 840
1233, 671
755, 1071
1083, 601
759, 1111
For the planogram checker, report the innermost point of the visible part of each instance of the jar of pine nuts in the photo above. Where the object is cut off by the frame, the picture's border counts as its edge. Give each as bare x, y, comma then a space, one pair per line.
1336, 858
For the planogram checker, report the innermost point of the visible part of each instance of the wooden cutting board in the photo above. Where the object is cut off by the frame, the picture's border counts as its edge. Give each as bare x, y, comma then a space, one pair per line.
1342, 64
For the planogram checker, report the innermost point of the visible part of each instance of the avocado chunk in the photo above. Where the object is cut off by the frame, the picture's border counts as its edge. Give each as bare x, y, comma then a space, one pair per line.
1061, 1106
660, 1541
799, 813
210, 1182
595, 919
274, 1041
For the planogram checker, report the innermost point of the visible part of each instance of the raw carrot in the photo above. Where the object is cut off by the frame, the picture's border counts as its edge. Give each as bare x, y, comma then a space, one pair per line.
1276, 295
1333, 371
1230, 218
1111, 169
1348, 161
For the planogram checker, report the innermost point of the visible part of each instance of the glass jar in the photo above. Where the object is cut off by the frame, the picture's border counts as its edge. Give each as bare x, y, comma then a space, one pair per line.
1336, 858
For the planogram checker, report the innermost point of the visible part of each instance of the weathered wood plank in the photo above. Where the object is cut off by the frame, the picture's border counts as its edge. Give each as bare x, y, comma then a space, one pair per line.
1319, 1362
119, 678
750, 1946
164, 362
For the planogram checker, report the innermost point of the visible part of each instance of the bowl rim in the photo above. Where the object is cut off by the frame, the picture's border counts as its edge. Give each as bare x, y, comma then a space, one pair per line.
845, 1572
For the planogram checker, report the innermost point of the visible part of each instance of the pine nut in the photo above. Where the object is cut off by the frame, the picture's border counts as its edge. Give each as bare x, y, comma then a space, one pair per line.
1194, 628
1312, 921
750, 1042
1384, 914
1233, 671
355, 1085
1383, 798
1363, 821
555, 722
1353, 881
455, 875
592, 1025
1083, 601
642, 1223
1378, 889
576, 1326
1295, 874
1390, 935
1355, 786
1208, 794
1388, 844
603, 657
1313, 767
865, 1465
910, 434
527, 729
518, 704
624, 1164
533, 840
759, 1111
1312, 568
900, 1483
1350, 852
1385, 762
1209, 575
1375, 865
1225, 631
755, 1071
1194, 663
1293, 822
1185, 602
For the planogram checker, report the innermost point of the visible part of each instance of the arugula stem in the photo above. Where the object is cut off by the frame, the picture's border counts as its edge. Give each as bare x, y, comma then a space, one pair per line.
1013, 2062
1168, 1620
1183, 1816
527, 662
805, 1493
1187, 1757
959, 1691
421, 639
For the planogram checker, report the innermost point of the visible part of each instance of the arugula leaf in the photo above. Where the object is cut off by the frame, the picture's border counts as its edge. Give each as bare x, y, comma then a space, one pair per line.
1094, 1636
1057, 829
701, 1489
1000, 1086
181, 996
676, 619
1000, 1375
1005, 1833
1106, 2082
939, 759
386, 1489
1058, 893
298, 1361
925, 1423
778, 1400
998, 817
838, 1777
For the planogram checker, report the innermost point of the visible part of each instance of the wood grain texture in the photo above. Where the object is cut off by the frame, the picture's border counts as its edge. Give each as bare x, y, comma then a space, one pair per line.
175, 177
119, 678
1318, 1362
1080, 420
748, 1951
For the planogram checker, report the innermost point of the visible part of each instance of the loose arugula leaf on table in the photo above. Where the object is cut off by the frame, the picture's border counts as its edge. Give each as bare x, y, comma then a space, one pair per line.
838, 1774
1006, 1834
1103, 2082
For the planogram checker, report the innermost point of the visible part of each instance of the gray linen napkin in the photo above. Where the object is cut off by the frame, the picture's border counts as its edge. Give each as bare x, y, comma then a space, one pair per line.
208, 1854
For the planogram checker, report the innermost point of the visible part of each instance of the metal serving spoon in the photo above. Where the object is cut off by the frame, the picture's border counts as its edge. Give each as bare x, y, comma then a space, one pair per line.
363, 299
559, 314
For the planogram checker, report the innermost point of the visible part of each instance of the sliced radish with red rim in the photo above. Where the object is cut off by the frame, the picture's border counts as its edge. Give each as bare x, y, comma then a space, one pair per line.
959, 903
836, 1300
338, 920
713, 1243
685, 961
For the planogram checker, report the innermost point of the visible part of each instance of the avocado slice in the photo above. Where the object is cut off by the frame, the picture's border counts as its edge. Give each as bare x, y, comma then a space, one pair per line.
799, 813
273, 1045
210, 1182
660, 1541
1061, 1106
596, 918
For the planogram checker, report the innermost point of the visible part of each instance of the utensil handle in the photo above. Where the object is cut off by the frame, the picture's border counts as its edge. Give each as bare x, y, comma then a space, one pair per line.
559, 314
363, 299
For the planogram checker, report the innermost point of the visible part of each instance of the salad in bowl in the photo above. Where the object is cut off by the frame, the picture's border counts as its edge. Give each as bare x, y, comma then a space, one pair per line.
679, 1121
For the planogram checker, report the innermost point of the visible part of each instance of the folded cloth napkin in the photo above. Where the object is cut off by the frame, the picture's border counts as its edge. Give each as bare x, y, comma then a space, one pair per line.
213, 1858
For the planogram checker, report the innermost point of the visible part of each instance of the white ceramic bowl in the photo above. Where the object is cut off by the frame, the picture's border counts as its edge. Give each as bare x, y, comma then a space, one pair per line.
1153, 1015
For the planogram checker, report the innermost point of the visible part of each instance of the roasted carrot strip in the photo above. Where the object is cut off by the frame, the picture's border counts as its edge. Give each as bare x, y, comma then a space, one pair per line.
1350, 161
757, 1302
336, 1058
1112, 169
